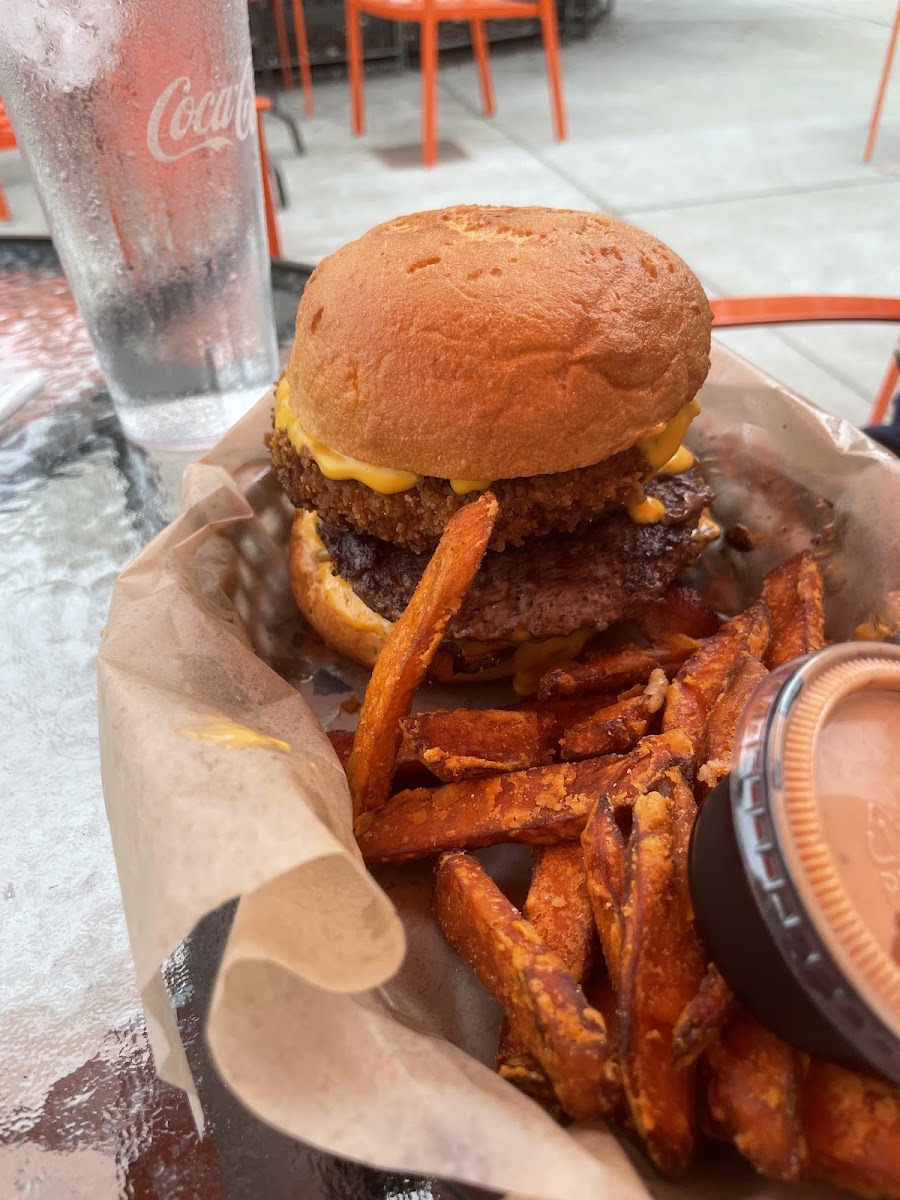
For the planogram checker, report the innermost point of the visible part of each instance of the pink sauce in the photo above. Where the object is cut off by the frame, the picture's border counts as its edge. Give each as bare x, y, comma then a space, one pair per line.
857, 781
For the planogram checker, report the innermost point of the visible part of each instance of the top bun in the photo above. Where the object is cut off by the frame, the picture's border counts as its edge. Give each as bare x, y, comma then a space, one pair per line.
491, 343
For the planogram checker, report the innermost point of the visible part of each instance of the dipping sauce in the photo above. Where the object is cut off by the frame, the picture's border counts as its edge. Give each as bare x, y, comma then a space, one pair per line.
795, 856
857, 781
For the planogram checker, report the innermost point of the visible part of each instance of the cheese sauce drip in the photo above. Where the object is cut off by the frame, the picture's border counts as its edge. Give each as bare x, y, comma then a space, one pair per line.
335, 465
233, 736
664, 443
665, 455
332, 463
648, 512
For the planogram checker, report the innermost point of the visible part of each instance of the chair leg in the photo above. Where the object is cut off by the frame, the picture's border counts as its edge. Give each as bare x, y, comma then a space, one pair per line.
480, 46
886, 391
428, 64
5, 214
554, 73
268, 201
355, 67
303, 57
284, 46
882, 90
281, 196
291, 126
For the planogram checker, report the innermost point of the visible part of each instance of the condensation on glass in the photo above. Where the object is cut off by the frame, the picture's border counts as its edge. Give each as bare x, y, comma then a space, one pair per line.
138, 121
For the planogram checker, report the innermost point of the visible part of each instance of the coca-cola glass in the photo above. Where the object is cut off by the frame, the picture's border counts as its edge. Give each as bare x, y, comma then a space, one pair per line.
138, 121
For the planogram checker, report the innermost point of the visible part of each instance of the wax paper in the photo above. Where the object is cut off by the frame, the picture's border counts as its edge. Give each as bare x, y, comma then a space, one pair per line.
339, 1014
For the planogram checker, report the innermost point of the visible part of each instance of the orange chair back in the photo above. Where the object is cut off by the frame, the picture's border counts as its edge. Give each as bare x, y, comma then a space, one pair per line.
776, 310
429, 14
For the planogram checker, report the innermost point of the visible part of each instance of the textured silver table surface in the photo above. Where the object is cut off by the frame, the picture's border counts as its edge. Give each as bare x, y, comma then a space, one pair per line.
82, 1114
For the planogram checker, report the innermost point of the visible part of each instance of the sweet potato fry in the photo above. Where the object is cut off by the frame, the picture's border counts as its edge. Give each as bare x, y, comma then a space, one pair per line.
558, 907
463, 743
616, 728
660, 970
683, 941
615, 670
603, 848
540, 806
704, 1018
408, 771
680, 610
520, 1068
723, 719
564, 711
342, 743
546, 1008
697, 686
852, 1127
753, 1097
659, 1116
404, 661
601, 994
793, 595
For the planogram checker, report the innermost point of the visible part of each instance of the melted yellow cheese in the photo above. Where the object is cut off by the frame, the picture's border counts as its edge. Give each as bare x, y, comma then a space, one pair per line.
234, 736
665, 455
647, 512
462, 487
332, 463
663, 451
681, 460
338, 592
335, 465
533, 659
662, 445
872, 631
707, 530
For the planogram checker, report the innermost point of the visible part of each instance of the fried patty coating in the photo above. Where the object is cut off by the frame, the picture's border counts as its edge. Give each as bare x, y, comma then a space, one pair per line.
530, 507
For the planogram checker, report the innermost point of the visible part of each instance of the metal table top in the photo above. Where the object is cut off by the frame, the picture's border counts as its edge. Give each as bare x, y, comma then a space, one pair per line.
82, 1113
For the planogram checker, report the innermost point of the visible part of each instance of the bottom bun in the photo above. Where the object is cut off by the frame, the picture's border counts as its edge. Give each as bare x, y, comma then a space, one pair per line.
328, 602
349, 626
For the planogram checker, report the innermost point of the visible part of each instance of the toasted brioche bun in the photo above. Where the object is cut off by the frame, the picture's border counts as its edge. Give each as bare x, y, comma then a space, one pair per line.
495, 343
322, 603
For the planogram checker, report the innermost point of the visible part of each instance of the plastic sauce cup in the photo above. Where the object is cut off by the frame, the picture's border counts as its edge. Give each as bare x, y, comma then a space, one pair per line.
795, 857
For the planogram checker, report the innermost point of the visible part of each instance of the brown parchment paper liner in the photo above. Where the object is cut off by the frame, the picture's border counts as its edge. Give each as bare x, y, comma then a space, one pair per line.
314, 1022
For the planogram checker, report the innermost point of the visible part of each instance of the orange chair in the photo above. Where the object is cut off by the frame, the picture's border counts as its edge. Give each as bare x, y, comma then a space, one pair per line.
882, 89
263, 105
7, 142
778, 310
429, 14
284, 51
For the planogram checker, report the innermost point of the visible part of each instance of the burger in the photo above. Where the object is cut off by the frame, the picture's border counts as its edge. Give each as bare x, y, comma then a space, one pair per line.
552, 356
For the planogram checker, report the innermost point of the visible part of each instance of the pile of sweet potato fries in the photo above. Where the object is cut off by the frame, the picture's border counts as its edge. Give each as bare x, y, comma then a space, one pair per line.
612, 1007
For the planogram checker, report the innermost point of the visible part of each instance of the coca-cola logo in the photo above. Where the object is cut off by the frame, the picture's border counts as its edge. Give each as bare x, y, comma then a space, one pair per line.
181, 124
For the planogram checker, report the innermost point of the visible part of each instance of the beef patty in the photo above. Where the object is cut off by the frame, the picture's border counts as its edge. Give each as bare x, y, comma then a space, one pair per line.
529, 507
550, 586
